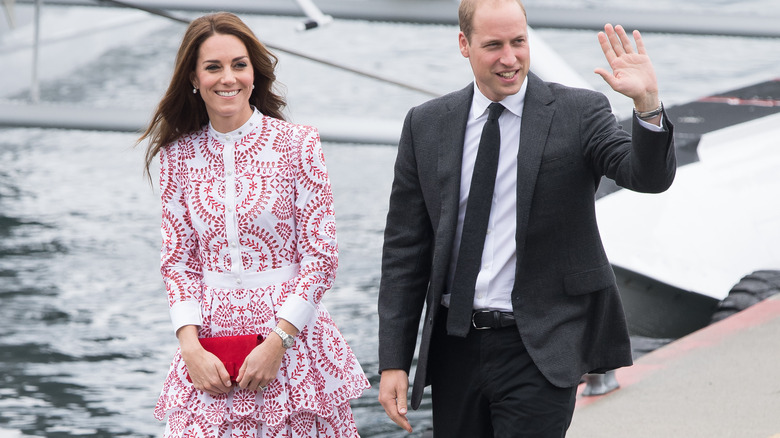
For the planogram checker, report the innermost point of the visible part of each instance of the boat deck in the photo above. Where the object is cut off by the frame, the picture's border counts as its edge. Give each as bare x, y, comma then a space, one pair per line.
720, 381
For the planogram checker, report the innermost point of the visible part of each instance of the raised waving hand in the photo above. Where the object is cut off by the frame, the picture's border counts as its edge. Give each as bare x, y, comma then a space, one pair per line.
632, 71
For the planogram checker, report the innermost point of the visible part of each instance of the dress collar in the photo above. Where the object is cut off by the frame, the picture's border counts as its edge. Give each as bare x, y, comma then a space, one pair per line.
231, 137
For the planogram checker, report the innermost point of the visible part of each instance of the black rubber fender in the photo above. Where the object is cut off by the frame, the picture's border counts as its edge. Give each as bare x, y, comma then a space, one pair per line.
751, 289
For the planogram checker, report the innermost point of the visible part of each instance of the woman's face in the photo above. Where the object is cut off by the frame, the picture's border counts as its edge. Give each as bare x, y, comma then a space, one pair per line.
224, 77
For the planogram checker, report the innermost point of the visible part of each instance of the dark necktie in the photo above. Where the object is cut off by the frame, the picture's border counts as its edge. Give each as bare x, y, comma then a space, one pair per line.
475, 224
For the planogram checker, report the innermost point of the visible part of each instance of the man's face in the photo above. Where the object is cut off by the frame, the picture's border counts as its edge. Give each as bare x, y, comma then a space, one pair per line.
498, 51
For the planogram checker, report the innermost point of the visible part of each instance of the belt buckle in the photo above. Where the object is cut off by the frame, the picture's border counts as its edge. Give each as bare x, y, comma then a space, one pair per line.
474, 324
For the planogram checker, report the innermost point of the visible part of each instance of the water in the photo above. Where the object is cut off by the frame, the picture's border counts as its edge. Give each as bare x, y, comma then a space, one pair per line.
85, 337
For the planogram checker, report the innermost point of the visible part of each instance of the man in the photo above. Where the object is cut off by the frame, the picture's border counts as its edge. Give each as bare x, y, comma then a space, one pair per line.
545, 307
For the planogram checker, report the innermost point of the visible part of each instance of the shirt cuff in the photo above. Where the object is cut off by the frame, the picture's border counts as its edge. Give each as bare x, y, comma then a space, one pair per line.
296, 311
651, 126
185, 313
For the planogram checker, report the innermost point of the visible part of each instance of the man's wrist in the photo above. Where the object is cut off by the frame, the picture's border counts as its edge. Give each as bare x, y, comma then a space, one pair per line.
651, 114
647, 102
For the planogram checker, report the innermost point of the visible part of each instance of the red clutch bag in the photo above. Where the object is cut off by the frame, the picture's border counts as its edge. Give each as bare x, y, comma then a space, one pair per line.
231, 350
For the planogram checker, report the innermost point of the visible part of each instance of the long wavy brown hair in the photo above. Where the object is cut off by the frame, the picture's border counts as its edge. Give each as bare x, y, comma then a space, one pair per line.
180, 111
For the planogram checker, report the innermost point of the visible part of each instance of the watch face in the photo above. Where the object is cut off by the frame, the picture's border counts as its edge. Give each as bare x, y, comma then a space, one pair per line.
287, 340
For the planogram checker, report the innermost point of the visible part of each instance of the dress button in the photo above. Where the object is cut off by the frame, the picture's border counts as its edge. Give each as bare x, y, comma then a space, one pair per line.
229, 172
238, 281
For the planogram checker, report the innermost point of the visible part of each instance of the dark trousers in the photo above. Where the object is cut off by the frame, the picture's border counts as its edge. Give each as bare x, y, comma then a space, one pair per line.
486, 386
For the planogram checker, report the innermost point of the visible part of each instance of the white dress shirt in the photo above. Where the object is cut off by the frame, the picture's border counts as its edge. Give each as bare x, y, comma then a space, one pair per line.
497, 274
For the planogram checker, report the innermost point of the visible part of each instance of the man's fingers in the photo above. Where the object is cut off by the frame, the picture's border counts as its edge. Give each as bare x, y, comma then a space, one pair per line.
625, 41
404, 423
614, 40
607, 76
640, 45
397, 413
400, 402
606, 47
393, 387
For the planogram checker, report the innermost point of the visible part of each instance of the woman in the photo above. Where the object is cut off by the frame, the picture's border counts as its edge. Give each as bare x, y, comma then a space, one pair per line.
249, 247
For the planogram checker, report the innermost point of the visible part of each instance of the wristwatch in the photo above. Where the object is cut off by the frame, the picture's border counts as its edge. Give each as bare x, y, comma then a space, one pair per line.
647, 115
287, 340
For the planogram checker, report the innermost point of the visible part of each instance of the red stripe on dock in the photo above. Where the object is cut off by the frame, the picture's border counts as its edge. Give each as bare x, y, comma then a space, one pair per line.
736, 101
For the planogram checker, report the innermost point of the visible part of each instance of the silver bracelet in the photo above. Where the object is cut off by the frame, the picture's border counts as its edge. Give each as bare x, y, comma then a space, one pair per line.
646, 115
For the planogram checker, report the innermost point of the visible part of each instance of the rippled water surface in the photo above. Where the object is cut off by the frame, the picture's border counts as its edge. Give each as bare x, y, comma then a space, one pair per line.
85, 337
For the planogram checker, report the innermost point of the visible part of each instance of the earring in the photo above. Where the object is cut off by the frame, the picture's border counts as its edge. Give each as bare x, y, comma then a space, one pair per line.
253, 86
194, 91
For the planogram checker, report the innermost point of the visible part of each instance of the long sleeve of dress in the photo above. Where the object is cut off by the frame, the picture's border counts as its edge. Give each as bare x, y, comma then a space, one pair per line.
179, 260
315, 229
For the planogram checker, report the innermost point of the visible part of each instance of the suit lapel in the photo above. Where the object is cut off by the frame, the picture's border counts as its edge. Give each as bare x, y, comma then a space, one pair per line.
452, 125
453, 131
537, 118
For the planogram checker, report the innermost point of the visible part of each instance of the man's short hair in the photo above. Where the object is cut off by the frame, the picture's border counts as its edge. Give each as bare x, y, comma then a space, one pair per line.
466, 14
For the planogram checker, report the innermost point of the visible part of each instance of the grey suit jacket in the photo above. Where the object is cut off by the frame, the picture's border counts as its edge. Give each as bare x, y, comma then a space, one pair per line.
565, 299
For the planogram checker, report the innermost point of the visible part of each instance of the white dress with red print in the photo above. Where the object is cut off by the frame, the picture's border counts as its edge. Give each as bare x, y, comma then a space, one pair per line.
248, 238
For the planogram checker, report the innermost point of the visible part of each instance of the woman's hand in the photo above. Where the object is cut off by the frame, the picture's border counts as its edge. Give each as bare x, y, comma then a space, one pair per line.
263, 363
206, 370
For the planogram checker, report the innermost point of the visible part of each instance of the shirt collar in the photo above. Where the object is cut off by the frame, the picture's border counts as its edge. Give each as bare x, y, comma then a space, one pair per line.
513, 103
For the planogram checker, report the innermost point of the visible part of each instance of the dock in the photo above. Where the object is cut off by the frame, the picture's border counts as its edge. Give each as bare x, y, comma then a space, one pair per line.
718, 382
68, 116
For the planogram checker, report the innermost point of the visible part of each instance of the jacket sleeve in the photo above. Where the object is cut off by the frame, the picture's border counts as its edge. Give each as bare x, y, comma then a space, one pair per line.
644, 161
406, 259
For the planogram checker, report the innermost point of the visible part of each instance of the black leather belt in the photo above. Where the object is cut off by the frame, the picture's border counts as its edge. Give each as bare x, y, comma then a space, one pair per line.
492, 319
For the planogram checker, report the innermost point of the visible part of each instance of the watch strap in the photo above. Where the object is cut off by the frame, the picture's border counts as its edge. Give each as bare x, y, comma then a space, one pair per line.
287, 339
646, 115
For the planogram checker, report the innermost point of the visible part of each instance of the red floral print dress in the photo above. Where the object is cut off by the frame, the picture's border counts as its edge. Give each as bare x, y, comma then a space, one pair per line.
248, 238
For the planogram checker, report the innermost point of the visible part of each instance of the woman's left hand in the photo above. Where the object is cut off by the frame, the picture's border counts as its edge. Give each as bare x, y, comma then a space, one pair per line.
262, 364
